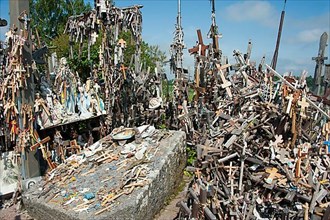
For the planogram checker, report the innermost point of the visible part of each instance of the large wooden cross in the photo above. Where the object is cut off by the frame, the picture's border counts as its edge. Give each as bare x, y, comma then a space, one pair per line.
200, 48
40, 145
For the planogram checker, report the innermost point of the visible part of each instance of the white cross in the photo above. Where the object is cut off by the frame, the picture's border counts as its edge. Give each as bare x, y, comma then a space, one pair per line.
225, 83
288, 108
303, 105
94, 35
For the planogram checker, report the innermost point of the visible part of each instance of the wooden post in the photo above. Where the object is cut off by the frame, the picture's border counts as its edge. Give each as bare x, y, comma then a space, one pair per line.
26, 95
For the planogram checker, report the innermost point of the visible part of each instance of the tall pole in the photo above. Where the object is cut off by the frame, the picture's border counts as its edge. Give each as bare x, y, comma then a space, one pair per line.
275, 56
319, 63
177, 60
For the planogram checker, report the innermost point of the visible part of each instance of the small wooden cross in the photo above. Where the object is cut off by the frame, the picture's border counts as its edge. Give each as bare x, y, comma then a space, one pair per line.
303, 105
94, 35
272, 175
200, 48
225, 83
123, 69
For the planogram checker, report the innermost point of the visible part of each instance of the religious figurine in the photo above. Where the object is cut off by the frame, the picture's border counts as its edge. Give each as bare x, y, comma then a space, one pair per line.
42, 112
83, 102
58, 111
65, 83
94, 107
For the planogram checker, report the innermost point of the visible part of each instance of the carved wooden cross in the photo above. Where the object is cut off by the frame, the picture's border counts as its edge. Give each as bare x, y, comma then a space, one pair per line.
288, 108
123, 69
40, 145
272, 175
94, 35
200, 48
302, 154
225, 83
303, 105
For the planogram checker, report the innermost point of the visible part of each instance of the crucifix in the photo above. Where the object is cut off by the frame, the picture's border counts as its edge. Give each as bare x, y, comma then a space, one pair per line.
225, 83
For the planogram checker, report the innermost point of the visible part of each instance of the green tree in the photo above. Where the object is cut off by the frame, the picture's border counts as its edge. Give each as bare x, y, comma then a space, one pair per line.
310, 82
49, 17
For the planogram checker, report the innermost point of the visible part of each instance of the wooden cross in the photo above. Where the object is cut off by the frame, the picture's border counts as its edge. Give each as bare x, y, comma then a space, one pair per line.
225, 83
94, 35
40, 145
200, 48
19, 70
272, 175
74, 147
303, 105
288, 108
283, 155
302, 154
123, 69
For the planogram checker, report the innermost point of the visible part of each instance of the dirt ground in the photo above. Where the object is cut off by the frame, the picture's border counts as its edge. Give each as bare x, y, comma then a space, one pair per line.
170, 211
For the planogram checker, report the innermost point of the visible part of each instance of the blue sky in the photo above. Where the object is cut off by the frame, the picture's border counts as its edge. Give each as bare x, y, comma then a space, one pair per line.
238, 21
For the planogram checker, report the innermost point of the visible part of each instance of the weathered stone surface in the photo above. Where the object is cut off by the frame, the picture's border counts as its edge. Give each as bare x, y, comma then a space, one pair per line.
166, 169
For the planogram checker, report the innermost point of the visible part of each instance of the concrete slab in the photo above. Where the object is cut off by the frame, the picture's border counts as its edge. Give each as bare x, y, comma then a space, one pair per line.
161, 175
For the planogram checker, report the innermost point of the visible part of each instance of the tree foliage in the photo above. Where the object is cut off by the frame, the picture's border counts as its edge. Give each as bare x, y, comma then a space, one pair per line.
50, 16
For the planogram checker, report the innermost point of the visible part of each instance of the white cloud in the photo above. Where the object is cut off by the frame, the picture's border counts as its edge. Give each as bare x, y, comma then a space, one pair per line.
307, 30
259, 11
311, 35
317, 21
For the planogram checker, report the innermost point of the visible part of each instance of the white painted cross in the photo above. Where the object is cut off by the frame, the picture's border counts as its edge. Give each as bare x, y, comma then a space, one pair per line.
94, 35
303, 105
225, 83
288, 108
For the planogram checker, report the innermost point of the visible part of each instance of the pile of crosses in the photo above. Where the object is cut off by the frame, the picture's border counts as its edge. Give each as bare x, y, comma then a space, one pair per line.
261, 140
